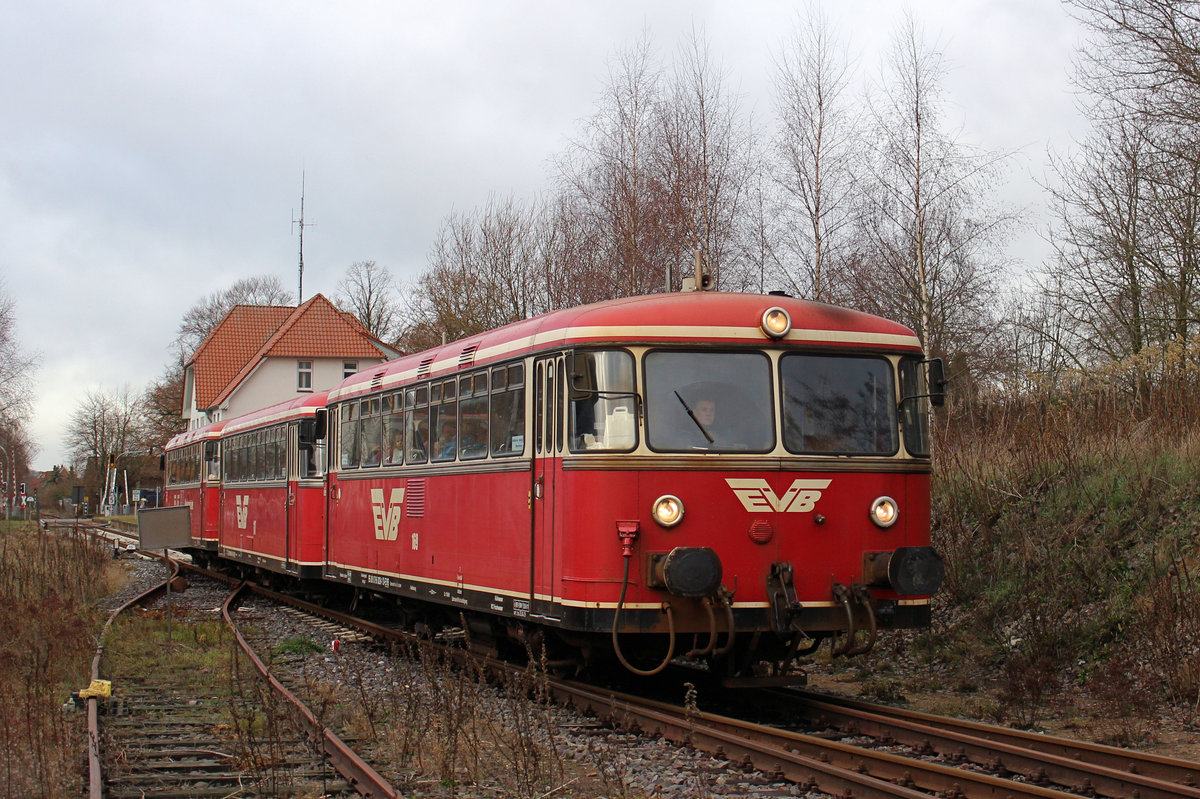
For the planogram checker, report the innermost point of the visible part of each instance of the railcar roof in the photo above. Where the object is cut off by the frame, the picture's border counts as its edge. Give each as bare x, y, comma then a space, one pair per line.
208, 431
710, 317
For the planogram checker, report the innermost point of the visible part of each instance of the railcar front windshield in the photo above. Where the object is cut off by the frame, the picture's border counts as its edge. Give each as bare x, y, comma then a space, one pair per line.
709, 401
835, 405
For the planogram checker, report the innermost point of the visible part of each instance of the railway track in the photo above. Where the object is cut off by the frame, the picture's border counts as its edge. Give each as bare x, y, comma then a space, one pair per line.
884, 752
846, 747
167, 733
876, 751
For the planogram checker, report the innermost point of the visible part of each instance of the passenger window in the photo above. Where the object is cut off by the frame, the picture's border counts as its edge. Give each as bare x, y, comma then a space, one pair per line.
348, 436
473, 417
393, 433
445, 431
416, 426
370, 433
508, 410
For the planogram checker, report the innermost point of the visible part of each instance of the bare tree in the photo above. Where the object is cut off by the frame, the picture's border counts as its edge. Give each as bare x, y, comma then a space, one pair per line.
104, 424
483, 273
160, 406
759, 248
929, 249
1127, 201
1099, 275
16, 365
1144, 59
816, 147
369, 291
704, 164
609, 177
201, 318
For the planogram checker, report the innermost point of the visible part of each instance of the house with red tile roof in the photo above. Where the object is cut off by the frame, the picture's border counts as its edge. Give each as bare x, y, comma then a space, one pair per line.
262, 354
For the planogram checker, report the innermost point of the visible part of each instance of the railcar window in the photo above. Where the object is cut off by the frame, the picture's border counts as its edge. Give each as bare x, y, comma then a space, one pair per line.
251, 457
508, 410
212, 461
838, 405
184, 464
416, 425
393, 428
370, 432
559, 401
280, 453
605, 420
243, 461
538, 403
709, 401
265, 467
914, 412
348, 436
473, 417
444, 427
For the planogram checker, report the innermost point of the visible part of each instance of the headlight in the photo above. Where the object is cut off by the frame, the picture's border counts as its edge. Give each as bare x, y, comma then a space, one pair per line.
667, 510
884, 511
776, 322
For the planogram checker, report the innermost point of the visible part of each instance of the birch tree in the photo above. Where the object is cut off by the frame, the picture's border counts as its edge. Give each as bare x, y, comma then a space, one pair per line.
928, 254
816, 147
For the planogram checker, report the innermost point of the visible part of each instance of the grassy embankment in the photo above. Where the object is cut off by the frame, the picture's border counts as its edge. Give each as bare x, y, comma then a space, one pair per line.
49, 585
1070, 525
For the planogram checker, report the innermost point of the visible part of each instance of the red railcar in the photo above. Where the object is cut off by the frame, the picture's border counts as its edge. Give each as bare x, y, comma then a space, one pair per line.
193, 478
730, 477
273, 488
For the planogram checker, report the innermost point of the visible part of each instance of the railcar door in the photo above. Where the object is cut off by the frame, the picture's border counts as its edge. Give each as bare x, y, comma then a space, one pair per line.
548, 436
291, 543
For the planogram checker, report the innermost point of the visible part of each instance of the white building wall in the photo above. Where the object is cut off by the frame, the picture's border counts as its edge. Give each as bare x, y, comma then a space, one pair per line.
275, 380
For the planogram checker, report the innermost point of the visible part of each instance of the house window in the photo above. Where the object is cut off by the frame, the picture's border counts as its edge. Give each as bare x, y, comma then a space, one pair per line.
349, 368
304, 375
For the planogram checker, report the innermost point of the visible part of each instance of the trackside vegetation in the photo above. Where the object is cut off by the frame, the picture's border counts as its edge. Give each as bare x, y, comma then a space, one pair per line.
50, 587
1069, 517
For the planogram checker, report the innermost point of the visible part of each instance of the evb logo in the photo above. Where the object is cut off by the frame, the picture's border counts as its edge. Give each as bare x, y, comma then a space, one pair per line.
756, 494
387, 517
243, 510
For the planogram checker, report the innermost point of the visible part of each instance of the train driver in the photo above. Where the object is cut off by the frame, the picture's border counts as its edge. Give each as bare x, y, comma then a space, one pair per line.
704, 421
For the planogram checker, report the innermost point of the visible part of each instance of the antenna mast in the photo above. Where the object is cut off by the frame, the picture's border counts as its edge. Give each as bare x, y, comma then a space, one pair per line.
302, 224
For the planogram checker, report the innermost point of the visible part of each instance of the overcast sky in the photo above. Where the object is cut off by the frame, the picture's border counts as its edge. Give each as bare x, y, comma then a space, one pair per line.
151, 152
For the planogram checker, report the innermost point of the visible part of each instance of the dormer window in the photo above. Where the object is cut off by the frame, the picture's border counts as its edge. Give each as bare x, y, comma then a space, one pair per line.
304, 375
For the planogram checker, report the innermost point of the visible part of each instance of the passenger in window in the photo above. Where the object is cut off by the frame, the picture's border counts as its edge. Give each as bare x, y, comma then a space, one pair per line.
474, 444
395, 447
447, 443
419, 434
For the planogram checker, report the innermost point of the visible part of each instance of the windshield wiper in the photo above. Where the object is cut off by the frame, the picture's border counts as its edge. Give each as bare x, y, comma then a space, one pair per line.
699, 424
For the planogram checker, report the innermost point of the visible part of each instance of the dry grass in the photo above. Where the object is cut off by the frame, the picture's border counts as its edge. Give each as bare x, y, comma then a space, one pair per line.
49, 584
1068, 519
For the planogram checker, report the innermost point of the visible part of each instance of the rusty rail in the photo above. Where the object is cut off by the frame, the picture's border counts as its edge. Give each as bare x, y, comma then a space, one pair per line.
360, 775
1078, 766
95, 773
